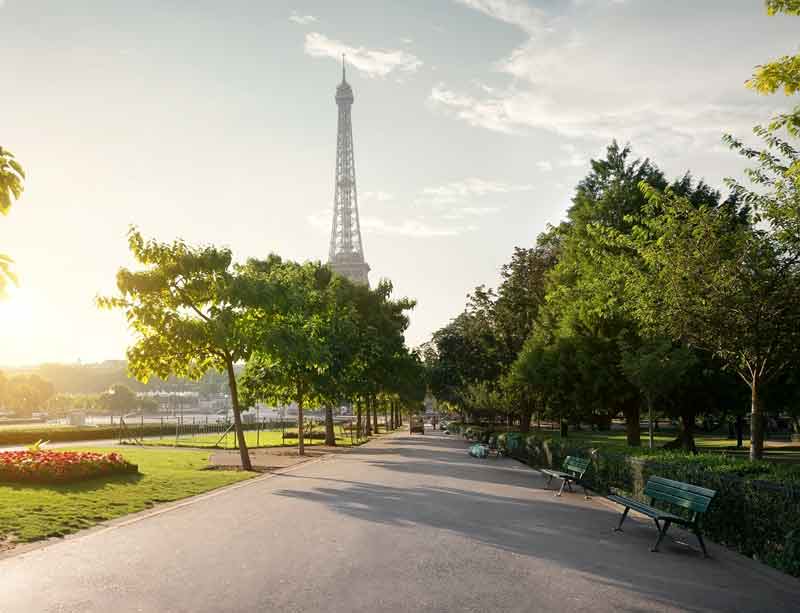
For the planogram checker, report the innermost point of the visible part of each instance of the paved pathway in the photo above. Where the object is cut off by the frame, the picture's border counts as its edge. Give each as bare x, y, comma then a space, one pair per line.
402, 524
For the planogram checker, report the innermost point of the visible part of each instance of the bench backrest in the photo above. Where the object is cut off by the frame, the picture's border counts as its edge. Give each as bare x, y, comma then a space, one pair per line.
686, 495
575, 465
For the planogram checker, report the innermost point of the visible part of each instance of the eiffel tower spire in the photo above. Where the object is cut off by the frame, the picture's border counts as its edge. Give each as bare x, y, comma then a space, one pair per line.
346, 254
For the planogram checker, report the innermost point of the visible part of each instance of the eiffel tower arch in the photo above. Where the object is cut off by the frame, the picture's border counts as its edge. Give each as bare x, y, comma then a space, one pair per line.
346, 254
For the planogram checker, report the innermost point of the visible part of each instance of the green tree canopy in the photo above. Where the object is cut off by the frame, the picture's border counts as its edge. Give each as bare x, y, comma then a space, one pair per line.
192, 311
782, 73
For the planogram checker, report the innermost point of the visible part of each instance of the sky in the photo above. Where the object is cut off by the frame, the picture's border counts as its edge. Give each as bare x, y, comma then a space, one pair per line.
215, 122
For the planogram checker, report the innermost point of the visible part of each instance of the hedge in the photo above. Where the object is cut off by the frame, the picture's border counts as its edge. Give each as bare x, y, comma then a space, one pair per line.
28, 436
756, 510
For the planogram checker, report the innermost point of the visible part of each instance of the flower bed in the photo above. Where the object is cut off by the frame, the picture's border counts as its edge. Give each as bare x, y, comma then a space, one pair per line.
60, 466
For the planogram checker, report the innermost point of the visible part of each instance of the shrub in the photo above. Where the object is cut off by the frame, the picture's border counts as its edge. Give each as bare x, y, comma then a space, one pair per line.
60, 466
756, 510
454, 427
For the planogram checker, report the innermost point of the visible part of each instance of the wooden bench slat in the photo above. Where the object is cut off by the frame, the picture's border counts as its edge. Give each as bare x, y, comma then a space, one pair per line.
687, 487
677, 497
646, 509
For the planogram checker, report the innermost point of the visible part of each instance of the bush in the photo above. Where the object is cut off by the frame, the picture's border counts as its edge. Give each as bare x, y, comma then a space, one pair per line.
454, 427
756, 510
60, 466
28, 436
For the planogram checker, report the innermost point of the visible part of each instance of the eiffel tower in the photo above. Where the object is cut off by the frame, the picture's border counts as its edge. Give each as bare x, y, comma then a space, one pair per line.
346, 255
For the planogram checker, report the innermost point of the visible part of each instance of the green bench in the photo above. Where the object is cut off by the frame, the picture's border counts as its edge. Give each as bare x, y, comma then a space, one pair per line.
691, 497
572, 472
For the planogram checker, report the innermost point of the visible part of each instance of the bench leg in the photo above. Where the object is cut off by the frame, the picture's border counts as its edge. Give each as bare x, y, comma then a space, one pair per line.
622, 519
569, 485
563, 483
700, 540
661, 532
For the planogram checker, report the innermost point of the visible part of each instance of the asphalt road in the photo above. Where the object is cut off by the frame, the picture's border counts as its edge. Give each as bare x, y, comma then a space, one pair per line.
403, 524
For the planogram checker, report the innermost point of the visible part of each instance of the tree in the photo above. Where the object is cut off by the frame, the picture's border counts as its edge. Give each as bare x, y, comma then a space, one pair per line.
11, 177
727, 287
584, 299
27, 393
289, 362
656, 368
118, 400
191, 311
783, 73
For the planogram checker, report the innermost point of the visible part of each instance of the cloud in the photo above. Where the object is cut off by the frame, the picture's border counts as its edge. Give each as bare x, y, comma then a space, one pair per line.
544, 166
303, 20
514, 12
411, 228
378, 196
458, 191
574, 76
371, 62
471, 211
376, 226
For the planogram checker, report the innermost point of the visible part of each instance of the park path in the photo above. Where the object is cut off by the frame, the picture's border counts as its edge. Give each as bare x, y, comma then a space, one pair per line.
401, 524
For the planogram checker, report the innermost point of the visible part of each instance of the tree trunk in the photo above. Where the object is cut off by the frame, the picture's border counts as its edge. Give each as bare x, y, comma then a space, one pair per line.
756, 422
237, 416
525, 420
330, 435
358, 419
374, 415
633, 430
739, 431
685, 439
564, 429
391, 415
650, 422
368, 429
301, 445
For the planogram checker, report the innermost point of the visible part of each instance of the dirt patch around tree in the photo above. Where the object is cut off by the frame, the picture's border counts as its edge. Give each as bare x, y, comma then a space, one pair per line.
272, 458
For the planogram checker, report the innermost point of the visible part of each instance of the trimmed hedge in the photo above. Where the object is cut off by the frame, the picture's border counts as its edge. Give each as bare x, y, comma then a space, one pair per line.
28, 436
756, 510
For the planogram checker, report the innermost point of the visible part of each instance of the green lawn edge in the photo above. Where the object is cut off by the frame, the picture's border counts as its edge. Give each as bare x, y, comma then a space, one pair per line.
34, 512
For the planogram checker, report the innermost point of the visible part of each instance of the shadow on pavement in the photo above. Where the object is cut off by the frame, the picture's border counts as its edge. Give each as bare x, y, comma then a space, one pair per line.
566, 533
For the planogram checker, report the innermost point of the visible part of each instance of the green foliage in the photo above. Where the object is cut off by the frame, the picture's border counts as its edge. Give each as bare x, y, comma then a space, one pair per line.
782, 73
118, 400
754, 512
25, 394
790, 7
11, 177
725, 286
192, 311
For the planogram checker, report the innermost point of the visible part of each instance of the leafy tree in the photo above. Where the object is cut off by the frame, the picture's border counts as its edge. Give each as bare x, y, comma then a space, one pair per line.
726, 287
11, 177
656, 367
461, 353
191, 311
782, 73
118, 400
25, 394
290, 361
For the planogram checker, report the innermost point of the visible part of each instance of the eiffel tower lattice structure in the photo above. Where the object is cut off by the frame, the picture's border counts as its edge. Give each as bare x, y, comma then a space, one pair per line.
346, 255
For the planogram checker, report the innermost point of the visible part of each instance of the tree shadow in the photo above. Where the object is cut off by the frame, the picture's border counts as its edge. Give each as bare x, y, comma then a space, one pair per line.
567, 533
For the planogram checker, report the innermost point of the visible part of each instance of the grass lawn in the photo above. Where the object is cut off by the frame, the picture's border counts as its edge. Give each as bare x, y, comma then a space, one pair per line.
265, 438
33, 512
